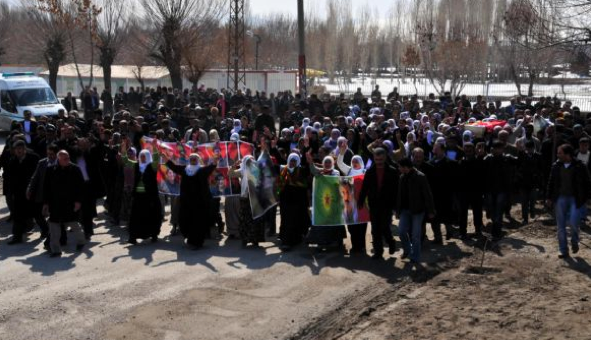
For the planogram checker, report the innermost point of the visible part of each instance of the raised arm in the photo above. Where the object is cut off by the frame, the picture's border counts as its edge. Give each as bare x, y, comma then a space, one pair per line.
341, 164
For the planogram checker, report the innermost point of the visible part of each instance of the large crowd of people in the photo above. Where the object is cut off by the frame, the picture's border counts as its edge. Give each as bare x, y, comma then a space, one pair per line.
422, 163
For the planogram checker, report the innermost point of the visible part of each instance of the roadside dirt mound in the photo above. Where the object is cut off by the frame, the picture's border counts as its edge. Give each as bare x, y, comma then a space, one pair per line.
520, 290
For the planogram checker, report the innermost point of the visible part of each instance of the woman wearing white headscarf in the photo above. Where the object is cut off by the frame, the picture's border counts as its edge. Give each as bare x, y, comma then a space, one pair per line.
251, 230
293, 202
410, 143
237, 126
195, 200
324, 236
343, 153
467, 137
146, 211
357, 231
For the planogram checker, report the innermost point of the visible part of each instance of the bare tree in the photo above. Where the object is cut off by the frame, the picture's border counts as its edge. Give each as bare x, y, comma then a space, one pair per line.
137, 53
200, 58
112, 31
450, 49
522, 45
78, 17
5, 22
179, 25
48, 38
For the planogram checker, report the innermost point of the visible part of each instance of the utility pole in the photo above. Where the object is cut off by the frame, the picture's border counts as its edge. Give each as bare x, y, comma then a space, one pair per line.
236, 61
302, 50
256, 53
257, 40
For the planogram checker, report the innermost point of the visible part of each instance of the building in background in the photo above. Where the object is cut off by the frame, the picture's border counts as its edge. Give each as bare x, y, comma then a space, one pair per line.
270, 81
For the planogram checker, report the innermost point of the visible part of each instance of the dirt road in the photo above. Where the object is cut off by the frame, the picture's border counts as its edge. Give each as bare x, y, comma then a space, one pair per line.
165, 291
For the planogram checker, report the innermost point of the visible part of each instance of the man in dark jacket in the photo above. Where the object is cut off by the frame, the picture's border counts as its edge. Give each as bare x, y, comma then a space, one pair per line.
442, 179
419, 163
62, 199
379, 185
35, 188
20, 169
529, 178
88, 158
69, 102
584, 155
414, 202
471, 193
499, 180
569, 187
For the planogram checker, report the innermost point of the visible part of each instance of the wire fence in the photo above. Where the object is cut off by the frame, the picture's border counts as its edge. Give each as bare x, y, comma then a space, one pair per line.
578, 93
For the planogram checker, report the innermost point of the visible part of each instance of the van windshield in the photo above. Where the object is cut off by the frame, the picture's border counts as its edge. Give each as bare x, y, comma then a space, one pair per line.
30, 97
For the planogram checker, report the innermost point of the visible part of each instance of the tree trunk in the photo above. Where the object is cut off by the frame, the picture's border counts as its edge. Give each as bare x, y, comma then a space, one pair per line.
107, 77
176, 77
53, 70
106, 59
54, 54
515, 79
530, 90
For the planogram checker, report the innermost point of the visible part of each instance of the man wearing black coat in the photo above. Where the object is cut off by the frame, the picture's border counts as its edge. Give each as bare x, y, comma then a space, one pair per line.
471, 195
442, 179
414, 202
88, 158
62, 201
380, 186
529, 179
69, 102
499, 180
20, 169
35, 188
418, 160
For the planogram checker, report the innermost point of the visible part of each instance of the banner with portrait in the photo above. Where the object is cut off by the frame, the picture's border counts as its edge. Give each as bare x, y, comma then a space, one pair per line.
219, 182
261, 180
334, 201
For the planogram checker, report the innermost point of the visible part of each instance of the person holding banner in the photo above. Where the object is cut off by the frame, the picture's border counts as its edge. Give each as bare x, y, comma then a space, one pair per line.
146, 212
293, 202
357, 231
196, 202
325, 235
252, 230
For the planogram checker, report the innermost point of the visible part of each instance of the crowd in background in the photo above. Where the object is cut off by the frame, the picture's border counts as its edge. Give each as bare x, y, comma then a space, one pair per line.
421, 163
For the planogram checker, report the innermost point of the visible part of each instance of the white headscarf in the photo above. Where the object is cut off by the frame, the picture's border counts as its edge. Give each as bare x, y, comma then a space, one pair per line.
360, 171
305, 123
191, 169
246, 162
407, 145
328, 158
143, 165
237, 126
293, 156
467, 135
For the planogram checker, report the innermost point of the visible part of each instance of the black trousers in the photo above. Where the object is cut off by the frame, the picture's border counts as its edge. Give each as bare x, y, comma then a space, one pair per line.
21, 214
270, 219
380, 230
88, 210
358, 232
436, 227
39, 219
474, 201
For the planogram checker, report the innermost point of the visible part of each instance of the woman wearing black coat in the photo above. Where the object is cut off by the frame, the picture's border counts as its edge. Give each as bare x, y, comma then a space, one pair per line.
146, 212
195, 217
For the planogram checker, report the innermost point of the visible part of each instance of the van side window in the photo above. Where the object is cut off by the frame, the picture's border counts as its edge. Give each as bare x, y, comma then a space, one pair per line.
5, 102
